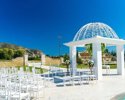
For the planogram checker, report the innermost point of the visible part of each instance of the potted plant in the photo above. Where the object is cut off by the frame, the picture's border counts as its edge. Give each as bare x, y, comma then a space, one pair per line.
67, 63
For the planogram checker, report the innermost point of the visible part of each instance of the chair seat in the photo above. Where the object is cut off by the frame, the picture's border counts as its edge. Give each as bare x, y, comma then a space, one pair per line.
36, 88
22, 95
3, 93
92, 76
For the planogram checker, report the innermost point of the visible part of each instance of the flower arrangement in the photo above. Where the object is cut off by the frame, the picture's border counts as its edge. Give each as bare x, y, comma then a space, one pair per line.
91, 64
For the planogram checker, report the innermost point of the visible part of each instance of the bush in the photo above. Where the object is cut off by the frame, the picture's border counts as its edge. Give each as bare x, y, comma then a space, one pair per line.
34, 58
79, 60
8, 54
19, 53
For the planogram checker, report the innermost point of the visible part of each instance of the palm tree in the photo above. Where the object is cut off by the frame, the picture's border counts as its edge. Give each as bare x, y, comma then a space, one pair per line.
103, 48
89, 48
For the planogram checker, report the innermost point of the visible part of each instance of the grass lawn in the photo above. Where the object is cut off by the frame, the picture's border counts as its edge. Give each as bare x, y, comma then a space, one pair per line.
84, 66
40, 70
29, 69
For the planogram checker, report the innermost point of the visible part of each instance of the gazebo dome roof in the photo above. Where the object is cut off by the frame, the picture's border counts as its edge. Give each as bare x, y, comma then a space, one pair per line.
95, 29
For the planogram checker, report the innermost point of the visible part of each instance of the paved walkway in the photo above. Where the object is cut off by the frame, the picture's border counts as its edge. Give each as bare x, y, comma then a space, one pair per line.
105, 89
42, 66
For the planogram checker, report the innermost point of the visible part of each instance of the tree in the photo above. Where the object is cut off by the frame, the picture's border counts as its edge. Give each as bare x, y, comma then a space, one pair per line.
67, 62
66, 57
113, 53
5, 54
1, 54
103, 47
79, 60
11, 53
89, 48
19, 53
106, 51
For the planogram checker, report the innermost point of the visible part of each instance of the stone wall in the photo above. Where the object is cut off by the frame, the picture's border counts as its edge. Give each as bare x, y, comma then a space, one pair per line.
12, 63
52, 61
20, 61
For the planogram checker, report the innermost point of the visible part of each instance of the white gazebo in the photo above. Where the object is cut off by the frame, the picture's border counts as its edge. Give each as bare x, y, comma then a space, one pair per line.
95, 34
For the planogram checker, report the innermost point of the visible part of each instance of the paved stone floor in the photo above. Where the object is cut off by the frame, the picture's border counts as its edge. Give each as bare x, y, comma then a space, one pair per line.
107, 88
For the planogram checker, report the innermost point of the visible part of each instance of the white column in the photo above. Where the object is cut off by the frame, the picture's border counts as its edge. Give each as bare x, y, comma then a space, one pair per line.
25, 59
120, 59
97, 57
73, 64
43, 59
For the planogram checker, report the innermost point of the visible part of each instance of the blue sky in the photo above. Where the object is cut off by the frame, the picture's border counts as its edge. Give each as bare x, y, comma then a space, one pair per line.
38, 23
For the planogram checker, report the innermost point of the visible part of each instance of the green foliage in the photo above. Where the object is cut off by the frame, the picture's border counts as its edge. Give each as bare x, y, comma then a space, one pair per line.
85, 66
79, 60
89, 48
19, 53
29, 69
8, 53
103, 47
11, 52
34, 58
113, 53
66, 57
81, 66
106, 51
39, 70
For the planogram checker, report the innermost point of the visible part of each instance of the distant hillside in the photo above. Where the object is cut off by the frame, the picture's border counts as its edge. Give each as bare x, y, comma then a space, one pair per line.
10, 46
9, 51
